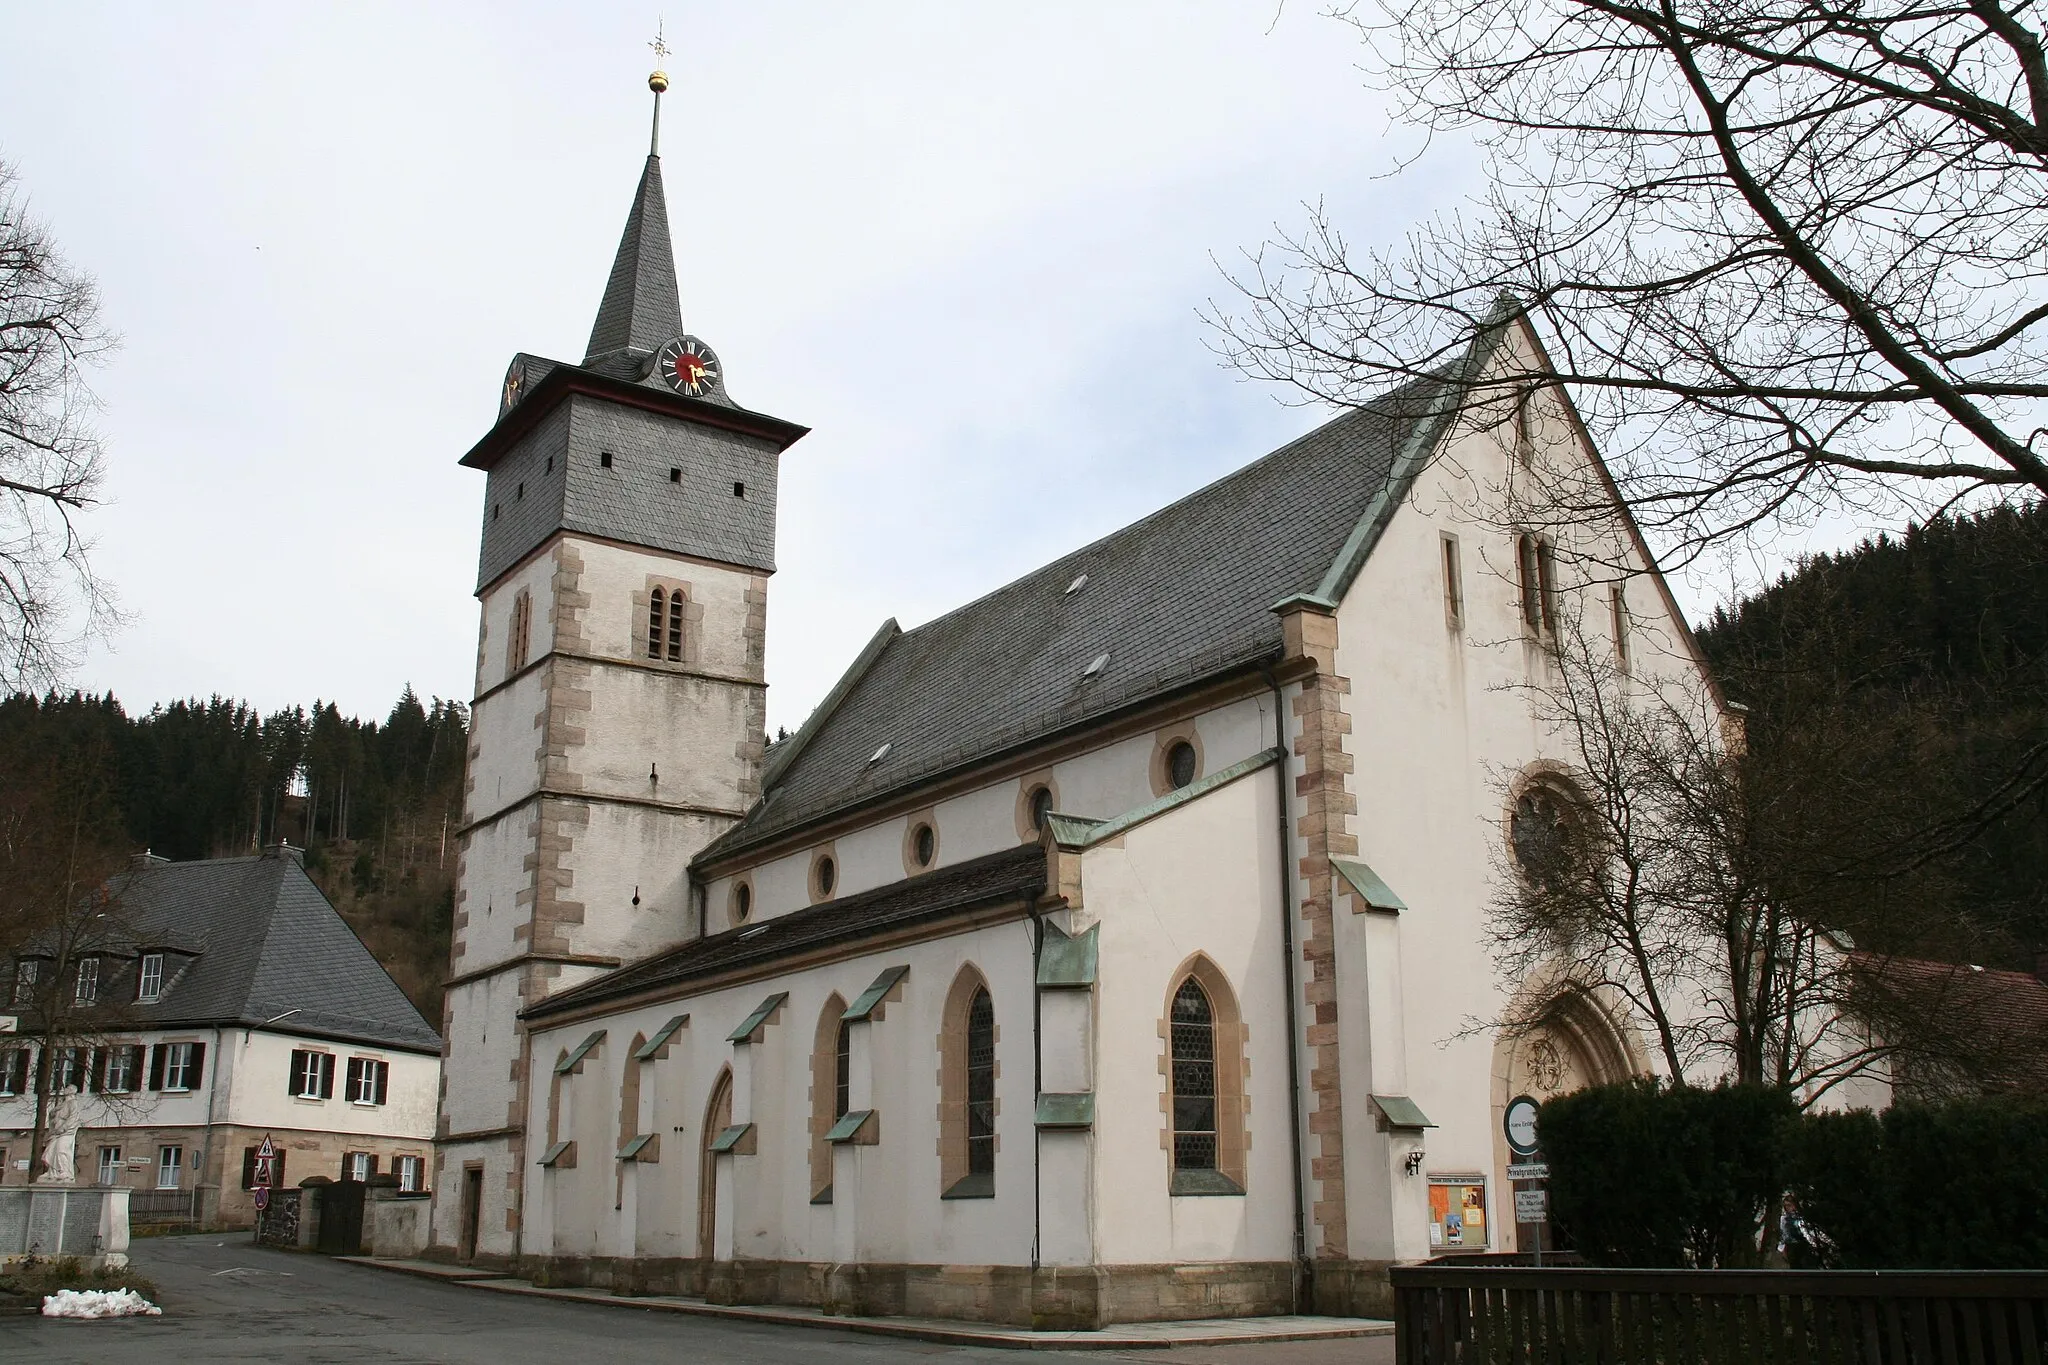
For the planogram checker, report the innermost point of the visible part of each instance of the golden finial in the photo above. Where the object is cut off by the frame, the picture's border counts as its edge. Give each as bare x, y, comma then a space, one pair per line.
657, 81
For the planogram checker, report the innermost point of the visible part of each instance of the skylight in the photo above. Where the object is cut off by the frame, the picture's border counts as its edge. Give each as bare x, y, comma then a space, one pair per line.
878, 755
1095, 666
1077, 585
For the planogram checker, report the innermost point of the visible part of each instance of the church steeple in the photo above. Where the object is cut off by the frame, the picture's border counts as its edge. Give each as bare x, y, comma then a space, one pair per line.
642, 306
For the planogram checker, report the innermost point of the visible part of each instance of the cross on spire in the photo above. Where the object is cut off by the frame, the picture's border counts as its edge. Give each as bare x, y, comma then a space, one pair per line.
657, 81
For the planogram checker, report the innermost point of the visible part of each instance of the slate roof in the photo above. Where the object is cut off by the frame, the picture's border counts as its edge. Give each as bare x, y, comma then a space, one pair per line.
252, 938
1184, 594
995, 879
642, 306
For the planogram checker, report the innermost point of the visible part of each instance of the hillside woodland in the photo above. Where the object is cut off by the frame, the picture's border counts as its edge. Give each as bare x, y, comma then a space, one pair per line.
376, 805
1900, 688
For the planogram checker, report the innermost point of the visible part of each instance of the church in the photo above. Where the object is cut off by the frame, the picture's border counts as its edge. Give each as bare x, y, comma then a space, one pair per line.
1106, 949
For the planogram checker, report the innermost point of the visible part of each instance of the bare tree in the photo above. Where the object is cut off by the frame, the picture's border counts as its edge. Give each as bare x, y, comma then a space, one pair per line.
1764, 904
61, 852
50, 456
1790, 258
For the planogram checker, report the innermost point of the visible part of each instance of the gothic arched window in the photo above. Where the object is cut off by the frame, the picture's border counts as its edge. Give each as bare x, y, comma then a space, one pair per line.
829, 1068
1205, 1074
657, 616
1193, 1029
675, 626
981, 1085
967, 1090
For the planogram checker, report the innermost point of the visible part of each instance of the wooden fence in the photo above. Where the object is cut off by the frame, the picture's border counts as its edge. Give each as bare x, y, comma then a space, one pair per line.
1479, 1315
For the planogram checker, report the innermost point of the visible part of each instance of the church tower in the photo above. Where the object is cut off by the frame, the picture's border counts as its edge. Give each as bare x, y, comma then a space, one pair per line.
617, 722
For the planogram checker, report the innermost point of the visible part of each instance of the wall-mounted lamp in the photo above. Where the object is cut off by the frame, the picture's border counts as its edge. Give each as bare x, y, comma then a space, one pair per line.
636, 895
652, 775
1415, 1161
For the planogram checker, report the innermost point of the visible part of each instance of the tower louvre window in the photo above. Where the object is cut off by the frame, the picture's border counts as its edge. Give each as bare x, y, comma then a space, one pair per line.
656, 615
522, 630
675, 627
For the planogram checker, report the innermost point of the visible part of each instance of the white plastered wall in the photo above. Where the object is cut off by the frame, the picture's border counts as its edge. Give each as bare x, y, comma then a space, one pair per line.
1438, 729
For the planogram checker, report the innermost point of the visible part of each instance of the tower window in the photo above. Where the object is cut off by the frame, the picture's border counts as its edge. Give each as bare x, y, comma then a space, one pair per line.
675, 475
739, 489
495, 509
657, 610
675, 627
522, 628
551, 464
519, 495
668, 621
604, 459
1454, 586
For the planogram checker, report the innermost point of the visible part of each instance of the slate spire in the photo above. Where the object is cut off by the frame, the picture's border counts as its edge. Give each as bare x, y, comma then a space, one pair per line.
642, 306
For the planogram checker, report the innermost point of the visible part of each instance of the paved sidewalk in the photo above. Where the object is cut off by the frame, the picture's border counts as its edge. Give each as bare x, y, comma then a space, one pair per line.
1122, 1337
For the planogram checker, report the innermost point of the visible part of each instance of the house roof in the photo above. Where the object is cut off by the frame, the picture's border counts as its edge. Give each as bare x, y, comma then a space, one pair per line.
1183, 595
995, 879
253, 938
1994, 1020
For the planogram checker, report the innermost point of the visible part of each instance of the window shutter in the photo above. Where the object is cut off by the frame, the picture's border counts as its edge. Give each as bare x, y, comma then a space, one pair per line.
156, 1066
349, 1082
373, 1166
297, 1084
383, 1080
327, 1078
248, 1168
277, 1170
198, 1066
96, 1069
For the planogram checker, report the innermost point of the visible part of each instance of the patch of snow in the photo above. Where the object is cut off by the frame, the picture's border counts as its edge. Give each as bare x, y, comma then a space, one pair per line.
98, 1303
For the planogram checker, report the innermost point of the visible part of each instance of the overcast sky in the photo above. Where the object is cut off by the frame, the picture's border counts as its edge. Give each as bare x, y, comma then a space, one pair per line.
964, 243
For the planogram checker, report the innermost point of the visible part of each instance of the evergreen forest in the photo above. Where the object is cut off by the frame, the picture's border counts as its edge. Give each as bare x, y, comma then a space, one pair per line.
376, 805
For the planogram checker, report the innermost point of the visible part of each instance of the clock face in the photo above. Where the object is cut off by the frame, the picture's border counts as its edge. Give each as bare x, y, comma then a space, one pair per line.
688, 366
515, 384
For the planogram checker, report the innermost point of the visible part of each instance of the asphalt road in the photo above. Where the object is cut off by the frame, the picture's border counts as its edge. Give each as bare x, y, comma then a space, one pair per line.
227, 1302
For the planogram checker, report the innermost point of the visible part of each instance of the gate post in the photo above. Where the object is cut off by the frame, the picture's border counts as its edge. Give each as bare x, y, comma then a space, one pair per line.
310, 1207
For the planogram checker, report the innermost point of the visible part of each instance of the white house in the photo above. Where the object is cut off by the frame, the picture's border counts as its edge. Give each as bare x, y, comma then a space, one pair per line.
231, 1004
1106, 949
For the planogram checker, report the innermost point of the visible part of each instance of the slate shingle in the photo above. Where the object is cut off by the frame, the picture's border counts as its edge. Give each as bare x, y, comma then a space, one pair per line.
1183, 594
266, 941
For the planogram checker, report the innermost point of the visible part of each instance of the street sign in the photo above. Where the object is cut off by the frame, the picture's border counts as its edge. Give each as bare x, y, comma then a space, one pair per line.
1529, 1170
1532, 1206
265, 1174
267, 1150
262, 1197
1520, 1125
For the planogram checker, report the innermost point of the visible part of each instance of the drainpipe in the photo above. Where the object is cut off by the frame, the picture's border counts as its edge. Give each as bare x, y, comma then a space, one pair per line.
1303, 1276
212, 1089
1037, 1077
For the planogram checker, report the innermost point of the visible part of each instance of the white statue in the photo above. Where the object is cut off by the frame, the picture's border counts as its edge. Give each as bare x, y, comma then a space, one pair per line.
60, 1158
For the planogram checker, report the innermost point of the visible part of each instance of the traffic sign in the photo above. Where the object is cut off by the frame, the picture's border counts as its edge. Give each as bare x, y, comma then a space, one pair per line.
1532, 1206
1520, 1125
262, 1197
267, 1150
1529, 1170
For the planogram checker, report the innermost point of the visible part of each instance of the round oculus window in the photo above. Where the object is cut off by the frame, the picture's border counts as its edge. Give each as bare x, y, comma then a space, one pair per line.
924, 845
1180, 764
826, 874
742, 902
1041, 806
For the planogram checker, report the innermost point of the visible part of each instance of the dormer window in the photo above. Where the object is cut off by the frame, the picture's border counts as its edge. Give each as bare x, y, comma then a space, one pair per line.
88, 985
150, 982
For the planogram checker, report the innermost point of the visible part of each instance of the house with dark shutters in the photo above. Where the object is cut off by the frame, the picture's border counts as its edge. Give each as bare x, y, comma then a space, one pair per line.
228, 1002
